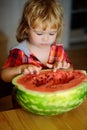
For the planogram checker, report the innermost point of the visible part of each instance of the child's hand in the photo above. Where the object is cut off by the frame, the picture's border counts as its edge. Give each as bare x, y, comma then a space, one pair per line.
61, 65
29, 69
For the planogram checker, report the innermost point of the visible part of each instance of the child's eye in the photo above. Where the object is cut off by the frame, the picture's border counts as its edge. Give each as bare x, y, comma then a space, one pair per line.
39, 33
52, 33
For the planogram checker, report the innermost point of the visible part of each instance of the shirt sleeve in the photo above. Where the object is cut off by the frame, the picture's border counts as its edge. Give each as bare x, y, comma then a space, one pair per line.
14, 58
62, 55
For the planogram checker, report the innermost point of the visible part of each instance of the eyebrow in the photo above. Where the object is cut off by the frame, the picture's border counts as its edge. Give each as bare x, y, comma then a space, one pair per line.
52, 31
43, 31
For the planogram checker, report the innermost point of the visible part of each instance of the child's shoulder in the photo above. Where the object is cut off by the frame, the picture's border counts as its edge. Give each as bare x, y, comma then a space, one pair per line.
23, 47
20, 45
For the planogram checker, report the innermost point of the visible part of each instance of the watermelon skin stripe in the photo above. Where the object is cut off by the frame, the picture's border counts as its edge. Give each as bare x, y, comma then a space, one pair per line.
51, 103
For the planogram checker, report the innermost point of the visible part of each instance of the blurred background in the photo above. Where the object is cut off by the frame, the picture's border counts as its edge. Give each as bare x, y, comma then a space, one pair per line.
74, 36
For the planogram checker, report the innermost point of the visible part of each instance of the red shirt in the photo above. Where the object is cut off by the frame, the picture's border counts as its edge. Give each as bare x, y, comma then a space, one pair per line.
18, 57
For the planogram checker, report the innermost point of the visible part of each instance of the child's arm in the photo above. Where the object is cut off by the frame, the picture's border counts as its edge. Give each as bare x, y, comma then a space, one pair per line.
62, 60
7, 74
15, 66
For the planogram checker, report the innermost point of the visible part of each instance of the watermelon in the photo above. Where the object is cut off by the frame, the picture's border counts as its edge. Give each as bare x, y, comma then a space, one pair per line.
51, 93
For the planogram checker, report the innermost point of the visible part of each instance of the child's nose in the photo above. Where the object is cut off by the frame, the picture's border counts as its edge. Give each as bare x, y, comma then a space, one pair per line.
45, 37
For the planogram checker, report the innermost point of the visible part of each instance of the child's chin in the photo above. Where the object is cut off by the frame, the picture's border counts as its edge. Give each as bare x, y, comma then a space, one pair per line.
45, 44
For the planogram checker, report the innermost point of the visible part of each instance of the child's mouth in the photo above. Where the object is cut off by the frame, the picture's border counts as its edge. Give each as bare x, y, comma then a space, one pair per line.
44, 44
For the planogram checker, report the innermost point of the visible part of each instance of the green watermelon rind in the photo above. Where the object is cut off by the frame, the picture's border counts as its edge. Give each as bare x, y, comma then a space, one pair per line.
50, 103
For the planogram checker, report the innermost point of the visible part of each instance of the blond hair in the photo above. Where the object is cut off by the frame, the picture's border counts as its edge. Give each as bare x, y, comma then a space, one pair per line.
36, 12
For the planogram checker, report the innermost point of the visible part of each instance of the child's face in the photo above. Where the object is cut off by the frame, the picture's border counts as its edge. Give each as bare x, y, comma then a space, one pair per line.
39, 37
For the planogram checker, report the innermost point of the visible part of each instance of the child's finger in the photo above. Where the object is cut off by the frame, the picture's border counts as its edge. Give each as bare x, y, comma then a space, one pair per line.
26, 71
34, 69
57, 66
37, 69
66, 65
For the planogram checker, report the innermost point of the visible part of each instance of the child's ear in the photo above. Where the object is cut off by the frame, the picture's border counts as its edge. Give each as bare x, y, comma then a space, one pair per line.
27, 30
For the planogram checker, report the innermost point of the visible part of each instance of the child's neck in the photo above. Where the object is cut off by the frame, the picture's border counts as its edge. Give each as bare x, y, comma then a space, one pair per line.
41, 53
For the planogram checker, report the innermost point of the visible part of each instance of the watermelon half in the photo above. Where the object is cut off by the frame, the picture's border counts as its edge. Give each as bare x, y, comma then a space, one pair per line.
51, 93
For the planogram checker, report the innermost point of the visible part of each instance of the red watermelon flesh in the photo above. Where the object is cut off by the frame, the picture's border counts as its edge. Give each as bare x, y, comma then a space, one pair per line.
49, 81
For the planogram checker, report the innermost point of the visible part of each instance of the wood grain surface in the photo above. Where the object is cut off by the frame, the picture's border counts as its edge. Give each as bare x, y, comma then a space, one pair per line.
19, 119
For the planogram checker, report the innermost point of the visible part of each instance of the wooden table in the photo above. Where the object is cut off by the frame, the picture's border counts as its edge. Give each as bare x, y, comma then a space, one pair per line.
19, 119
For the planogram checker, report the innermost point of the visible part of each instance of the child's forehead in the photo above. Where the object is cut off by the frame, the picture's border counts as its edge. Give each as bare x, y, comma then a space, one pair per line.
44, 27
